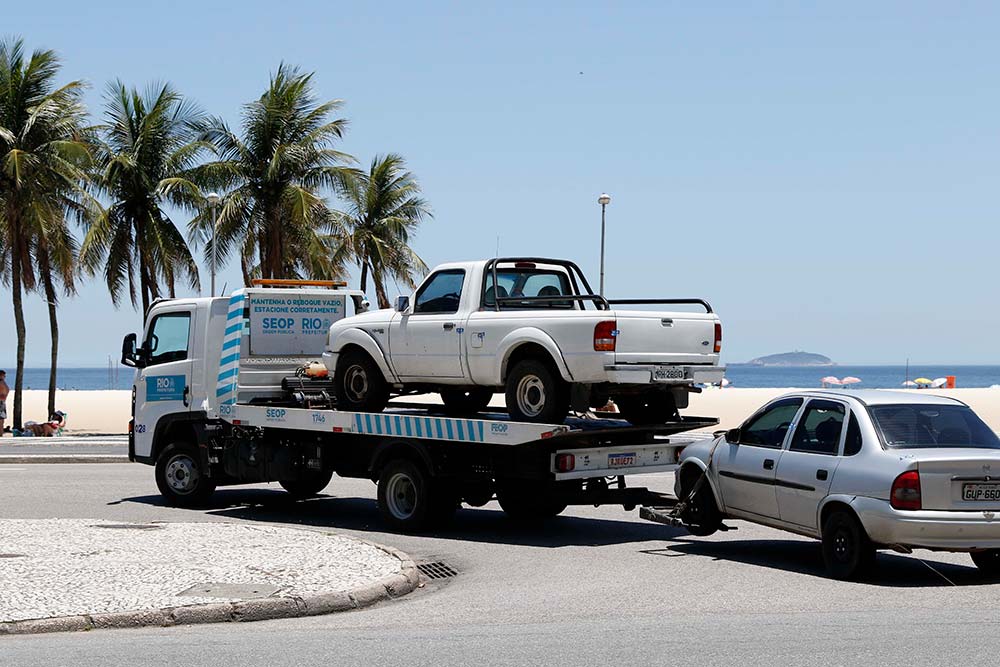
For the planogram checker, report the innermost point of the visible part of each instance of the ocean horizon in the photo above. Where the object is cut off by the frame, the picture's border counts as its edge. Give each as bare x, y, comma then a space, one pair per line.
760, 377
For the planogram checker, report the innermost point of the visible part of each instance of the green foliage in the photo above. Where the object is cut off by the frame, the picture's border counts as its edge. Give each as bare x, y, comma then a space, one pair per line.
274, 213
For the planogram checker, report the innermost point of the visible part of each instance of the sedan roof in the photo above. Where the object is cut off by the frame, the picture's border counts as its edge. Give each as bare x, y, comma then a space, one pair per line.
886, 397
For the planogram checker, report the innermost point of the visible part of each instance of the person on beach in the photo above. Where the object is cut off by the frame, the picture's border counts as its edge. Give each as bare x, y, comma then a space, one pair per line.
47, 429
4, 390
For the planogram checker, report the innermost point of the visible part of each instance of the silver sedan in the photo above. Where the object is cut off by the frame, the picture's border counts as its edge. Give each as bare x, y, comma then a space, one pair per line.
859, 470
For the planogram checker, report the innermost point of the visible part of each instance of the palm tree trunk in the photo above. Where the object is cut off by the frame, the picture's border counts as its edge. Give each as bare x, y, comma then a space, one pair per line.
50, 298
364, 273
383, 299
18, 322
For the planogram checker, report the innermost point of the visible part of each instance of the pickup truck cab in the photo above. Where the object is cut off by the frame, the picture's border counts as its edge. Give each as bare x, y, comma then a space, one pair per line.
533, 329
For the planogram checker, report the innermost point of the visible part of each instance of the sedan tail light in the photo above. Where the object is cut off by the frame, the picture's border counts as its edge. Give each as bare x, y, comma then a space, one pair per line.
718, 337
905, 493
605, 336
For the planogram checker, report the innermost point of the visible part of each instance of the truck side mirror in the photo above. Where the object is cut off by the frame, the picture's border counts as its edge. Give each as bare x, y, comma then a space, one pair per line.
402, 303
130, 354
733, 436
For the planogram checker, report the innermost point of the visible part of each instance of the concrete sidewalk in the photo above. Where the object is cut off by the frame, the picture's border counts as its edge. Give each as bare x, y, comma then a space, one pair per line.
70, 574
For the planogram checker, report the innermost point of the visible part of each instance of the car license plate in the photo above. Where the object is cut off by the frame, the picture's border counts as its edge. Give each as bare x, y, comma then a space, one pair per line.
981, 492
668, 373
621, 460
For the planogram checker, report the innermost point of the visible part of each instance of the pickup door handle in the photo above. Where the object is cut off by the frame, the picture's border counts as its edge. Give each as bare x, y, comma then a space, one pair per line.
768, 464
821, 475
449, 325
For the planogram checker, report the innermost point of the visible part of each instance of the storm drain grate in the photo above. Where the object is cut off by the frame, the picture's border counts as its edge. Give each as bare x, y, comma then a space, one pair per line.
127, 526
437, 570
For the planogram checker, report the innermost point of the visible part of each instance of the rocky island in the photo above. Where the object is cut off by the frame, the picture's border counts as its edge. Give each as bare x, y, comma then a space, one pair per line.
790, 359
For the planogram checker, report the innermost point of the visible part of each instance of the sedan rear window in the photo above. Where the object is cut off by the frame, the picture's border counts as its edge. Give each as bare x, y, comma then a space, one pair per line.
910, 426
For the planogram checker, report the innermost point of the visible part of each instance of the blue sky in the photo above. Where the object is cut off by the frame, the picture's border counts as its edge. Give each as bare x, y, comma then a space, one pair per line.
826, 176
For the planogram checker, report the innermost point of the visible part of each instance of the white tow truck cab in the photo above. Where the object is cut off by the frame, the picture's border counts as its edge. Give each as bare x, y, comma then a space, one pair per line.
228, 390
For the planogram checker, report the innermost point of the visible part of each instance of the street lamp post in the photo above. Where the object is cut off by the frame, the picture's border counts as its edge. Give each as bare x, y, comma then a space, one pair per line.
603, 200
213, 201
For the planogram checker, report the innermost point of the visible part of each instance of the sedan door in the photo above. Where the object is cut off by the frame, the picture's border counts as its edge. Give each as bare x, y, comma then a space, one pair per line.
746, 469
806, 469
425, 341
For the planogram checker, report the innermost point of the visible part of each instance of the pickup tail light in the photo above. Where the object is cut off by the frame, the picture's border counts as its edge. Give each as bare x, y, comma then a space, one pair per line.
605, 335
905, 494
718, 337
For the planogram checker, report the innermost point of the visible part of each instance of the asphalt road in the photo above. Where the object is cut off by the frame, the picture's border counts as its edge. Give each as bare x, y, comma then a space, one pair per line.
593, 587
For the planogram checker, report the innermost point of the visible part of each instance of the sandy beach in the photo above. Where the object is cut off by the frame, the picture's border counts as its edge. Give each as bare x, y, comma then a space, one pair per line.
107, 412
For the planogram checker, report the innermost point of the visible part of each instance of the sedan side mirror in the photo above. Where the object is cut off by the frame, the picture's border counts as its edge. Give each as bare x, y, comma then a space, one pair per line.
130, 353
402, 303
733, 436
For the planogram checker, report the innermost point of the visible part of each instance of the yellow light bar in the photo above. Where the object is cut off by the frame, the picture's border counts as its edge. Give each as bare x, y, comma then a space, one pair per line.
282, 282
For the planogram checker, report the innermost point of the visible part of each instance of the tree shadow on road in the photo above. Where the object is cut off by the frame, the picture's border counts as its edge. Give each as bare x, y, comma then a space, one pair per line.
805, 557
487, 524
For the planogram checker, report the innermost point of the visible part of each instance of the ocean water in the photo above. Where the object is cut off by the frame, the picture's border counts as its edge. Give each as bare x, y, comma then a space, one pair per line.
873, 377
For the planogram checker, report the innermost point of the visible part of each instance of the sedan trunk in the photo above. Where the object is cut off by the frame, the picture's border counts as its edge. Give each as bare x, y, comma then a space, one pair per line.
964, 479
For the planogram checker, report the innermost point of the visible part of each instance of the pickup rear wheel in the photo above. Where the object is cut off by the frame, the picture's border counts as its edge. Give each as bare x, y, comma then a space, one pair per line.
653, 408
359, 383
535, 393
466, 401
181, 477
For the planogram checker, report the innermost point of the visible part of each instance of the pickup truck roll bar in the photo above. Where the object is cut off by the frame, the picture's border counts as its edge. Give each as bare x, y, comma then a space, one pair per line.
635, 302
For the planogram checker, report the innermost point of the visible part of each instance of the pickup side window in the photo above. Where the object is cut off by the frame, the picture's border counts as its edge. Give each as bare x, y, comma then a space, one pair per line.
442, 293
768, 428
819, 429
527, 282
168, 338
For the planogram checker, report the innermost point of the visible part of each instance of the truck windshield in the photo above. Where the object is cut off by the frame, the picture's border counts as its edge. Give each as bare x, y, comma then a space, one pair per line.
529, 283
911, 426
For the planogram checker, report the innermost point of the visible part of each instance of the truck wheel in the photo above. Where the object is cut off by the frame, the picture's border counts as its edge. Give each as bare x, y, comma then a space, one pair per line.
528, 503
847, 551
406, 497
654, 408
359, 383
466, 401
988, 561
535, 393
308, 485
181, 477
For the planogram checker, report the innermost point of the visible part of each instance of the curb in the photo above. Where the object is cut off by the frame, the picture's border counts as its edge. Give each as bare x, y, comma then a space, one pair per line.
257, 609
63, 458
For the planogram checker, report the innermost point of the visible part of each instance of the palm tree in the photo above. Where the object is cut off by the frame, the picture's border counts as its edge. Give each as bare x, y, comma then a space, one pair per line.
56, 252
274, 213
384, 209
146, 159
43, 157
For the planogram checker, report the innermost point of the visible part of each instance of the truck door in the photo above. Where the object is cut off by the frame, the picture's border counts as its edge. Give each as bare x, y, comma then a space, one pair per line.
806, 468
425, 341
163, 384
747, 468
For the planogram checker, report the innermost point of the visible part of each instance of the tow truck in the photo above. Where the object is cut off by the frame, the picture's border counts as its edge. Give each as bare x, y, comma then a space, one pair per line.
230, 390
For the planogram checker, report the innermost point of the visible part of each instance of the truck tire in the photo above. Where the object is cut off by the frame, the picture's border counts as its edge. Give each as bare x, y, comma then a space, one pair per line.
466, 401
308, 485
535, 393
652, 408
988, 561
528, 503
407, 498
181, 477
847, 551
359, 384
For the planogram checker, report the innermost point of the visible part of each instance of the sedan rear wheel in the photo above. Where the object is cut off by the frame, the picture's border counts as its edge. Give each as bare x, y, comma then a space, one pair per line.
847, 551
988, 561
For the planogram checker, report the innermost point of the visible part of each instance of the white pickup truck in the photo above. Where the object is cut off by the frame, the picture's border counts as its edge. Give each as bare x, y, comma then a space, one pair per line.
534, 329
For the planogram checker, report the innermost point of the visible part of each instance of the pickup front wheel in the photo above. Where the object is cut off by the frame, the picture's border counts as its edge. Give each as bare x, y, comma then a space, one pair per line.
535, 393
359, 383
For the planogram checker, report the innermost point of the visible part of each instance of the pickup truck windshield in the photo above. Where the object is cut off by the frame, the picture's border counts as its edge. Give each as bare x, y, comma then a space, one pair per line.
911, 426
527, 282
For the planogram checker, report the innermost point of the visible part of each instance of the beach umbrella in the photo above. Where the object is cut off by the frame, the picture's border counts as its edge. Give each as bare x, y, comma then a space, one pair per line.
725, 382
909, 383
939, 382
923, 382
850, 379
829, 379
